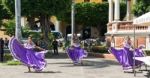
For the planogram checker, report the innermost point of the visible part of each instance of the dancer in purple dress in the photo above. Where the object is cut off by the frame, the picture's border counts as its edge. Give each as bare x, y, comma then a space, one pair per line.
75, 52
125, 55
27, 55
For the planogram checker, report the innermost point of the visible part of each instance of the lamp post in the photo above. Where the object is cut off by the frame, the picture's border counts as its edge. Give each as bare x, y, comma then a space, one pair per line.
18, 19
72, 20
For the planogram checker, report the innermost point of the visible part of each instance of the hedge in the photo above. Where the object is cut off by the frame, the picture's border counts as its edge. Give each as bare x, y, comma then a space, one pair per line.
99, 49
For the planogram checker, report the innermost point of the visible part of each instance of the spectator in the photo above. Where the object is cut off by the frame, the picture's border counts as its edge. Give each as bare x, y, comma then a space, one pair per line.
55, 47
6, 41
2, 49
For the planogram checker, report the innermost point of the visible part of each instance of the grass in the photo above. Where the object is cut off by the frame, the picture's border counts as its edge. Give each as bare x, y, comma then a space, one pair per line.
13, 62
8, 60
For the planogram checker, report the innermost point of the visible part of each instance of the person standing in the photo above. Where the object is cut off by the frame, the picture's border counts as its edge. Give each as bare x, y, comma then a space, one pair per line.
112, 41
108, 43
2, 49
6, 41
55, 47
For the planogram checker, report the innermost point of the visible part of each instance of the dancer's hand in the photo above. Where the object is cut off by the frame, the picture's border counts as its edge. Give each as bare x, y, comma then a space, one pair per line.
131, 49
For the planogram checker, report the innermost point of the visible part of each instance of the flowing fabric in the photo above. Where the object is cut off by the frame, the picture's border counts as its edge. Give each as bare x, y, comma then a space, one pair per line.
28, 57
76, 54
125, 57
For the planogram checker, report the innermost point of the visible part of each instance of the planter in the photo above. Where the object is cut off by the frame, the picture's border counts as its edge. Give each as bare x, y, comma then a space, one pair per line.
102, 55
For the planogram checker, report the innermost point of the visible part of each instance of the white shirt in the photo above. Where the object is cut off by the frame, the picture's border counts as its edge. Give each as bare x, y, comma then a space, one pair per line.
127, 45
112, 44
29, 46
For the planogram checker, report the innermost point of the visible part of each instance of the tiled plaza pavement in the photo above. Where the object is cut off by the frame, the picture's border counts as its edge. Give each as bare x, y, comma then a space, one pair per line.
63, 68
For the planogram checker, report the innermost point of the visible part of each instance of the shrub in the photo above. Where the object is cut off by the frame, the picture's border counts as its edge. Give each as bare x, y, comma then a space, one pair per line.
147, 52
99, 49
7, 56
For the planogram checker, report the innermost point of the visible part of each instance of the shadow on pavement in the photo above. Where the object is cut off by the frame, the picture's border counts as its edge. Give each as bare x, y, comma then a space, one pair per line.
94, 64
61, 63
147, 74
99, 63
76, 65
44, 72
61, 55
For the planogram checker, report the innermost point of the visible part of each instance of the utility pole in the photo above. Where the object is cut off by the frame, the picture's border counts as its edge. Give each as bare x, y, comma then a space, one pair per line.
18, 19
72, 20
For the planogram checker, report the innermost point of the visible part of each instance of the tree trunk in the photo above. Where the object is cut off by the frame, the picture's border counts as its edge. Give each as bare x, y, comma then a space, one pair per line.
31, 21
99, 28
45, 26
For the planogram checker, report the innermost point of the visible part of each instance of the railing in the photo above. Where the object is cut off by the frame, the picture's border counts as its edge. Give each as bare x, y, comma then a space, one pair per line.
124, 26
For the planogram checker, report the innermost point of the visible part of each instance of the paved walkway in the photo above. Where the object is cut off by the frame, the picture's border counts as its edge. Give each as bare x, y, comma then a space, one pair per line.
61, 67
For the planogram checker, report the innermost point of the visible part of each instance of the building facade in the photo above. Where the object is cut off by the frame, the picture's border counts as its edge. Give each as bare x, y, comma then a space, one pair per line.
120, 29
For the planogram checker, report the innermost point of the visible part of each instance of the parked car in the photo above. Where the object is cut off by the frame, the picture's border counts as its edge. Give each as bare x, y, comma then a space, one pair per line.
70, 35
59, 37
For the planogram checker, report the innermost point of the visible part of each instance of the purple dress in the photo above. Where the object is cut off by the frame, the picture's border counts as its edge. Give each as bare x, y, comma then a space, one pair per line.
76, 53
125, 56
27, 56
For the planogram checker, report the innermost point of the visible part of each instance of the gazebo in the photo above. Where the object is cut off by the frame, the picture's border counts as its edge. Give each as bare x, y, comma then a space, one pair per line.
143, 19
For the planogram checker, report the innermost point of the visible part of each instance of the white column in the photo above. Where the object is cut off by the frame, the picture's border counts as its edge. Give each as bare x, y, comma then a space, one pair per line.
128, 10
110, 10
57, 26
147, 42
117, 10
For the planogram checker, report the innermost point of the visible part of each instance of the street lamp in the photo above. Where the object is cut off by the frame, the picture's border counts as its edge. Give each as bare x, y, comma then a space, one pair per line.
18, 19
72, 20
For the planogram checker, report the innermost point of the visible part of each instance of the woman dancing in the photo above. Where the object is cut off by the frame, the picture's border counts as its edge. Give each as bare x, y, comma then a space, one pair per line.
125, 55
27, 55
75, 52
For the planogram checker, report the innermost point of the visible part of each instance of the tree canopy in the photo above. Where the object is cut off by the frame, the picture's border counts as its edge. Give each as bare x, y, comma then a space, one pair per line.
141, 7
42, 10
40, 7
93, 14
4, 13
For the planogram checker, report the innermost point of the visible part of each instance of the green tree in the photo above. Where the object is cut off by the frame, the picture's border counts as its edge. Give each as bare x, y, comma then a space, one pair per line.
10, 27
93, 14
4, 13
141, 7
41, 9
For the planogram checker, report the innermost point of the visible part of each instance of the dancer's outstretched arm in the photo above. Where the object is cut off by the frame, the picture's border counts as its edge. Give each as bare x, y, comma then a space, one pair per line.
39, 48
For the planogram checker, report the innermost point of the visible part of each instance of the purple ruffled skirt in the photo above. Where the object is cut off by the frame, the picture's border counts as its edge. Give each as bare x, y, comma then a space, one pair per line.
125, 57
76, 54
28, 57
